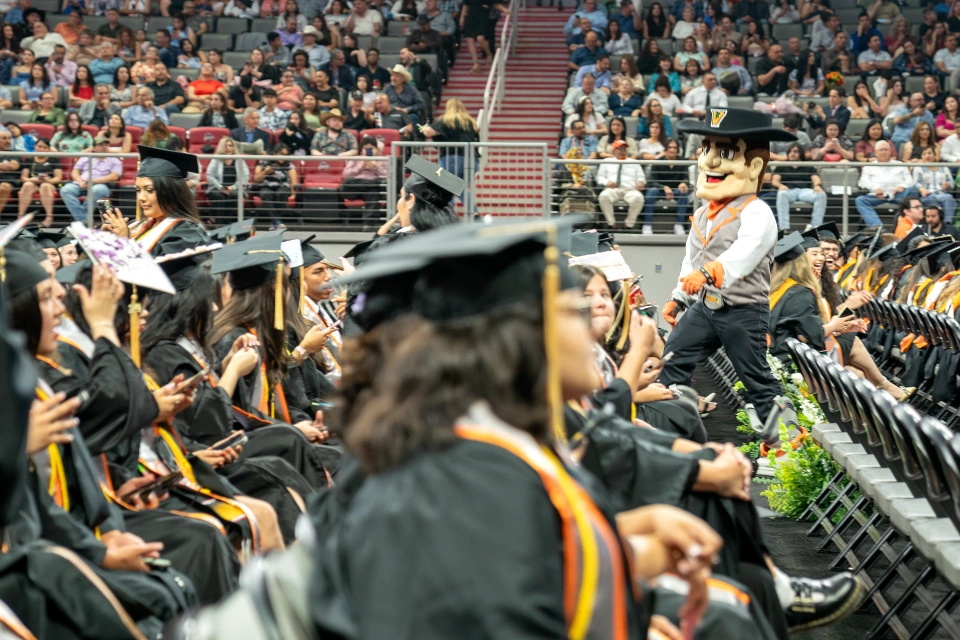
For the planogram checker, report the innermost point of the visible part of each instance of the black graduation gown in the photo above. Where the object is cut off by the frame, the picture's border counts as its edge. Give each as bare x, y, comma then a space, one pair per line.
400, 556
17, 390
182, 236
795, 315
672, 416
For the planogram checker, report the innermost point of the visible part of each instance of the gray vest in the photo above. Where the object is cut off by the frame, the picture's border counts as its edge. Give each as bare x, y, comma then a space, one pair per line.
754, 288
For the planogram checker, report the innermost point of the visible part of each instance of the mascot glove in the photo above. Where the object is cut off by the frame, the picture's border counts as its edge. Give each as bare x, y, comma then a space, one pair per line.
670, 311
694, 281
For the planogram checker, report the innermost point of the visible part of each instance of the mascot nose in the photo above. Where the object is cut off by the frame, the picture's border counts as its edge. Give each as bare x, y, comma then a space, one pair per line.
713, 160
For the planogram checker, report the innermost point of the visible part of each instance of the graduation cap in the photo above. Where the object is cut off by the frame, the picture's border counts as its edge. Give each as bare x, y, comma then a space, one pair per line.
235, 232
789, 247
68, 275
939, 256
811, 239
581, 243
358, 249
919, 252
829, 231
23, 272
885, 252
185, 267
252, 263
163, 163
431, 182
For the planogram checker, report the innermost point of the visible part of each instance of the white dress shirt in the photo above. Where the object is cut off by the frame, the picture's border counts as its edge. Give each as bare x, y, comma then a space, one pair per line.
886, 176
696, 100
630, 173
950, 148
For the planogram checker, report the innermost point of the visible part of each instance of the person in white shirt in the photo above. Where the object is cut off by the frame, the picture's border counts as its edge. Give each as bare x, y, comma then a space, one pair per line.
665, 96
697, 102
950, 147
934, 184
886, 181
362, 21
621, 181
43, 41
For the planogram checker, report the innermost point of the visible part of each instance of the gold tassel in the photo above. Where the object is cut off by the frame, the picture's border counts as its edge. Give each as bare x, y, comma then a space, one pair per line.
551, 288
135, 308
3, 265
278, 299
302, 293
139, 213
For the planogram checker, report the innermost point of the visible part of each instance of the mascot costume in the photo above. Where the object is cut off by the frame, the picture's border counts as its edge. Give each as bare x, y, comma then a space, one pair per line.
724, 283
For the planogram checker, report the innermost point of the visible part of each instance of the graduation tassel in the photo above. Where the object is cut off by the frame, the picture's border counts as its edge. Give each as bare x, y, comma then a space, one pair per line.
139, 213
3, 265
135, 308
551, 288
302, 293
278, 299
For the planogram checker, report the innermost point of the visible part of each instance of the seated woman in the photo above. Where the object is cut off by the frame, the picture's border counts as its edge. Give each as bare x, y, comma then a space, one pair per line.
831, 145
664, 94
223, 178
861, 104
922, 138
593, 121
201, 90
688, 53
872, 134
807, 79
82, 89
653, 146
217, 114
618, 131
624, 102
118, 139
691, 78
664, 69
651, 111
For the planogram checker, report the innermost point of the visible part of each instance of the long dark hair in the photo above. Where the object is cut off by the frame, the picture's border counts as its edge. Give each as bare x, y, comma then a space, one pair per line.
186, 313
76, 79
649, 17
44, 78
254, 307
437, 372
425, 216
25, 316
623, 136
176, 199
121, 322
803, 65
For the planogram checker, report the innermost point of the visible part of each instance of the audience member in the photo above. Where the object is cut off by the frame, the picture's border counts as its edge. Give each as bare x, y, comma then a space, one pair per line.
385, 116
947, 59
275, 182
922, 138
592, 13
339, 72
157, 135
225, 178
652, 146
617, 131
43, 42
251, 132
601, 73
617, 42
40, 175
296, 135
84, 52
218, 114
71, 29
168, 52
912, 61
97, 112
663, 93
860, 38
145, 111
271, 117
950, 147
905, 119
588, 53
664, 70
579, 139
686, 26
836, 110
366, 180
38, 84
752, 11
9, 170
319, 55
772, 74
72, 138
872, 134
839, 57
119, 140
104, 67
402, 96
791, 123
655, 24
669, 182
106, 172
832, 145
363, 21
200, 91
62, 72
861, 104
933, 97
621, 179
168, 94
796, 181
733, 78
937, 225
587, 89
935, 184
625, 102
47, 112
885, 182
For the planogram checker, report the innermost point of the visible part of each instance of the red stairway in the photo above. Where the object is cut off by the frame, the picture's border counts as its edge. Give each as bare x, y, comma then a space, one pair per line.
536, 80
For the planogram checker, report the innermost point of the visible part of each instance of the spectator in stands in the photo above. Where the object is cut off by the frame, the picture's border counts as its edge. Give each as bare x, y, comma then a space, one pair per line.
836, 110
168, 52
338, 71
748, 11
671, 182
327, 97
664, 95
419, 70
310, 111
221, 70
625, 102
621, 180
601, 73
289, 35
860, 38
143, 71
947, 59
119, 139
921, 138
276, 52
894, 98
653, 146
292, 10
272, 118
9, 170
275, 181
218, 114
6, 99
791, 55
912, 60
30, 17
887, 181
38, 84
665, 69
303, 73
699, 99
200, 91
618, 131
590, 11
83, 52
578, 138
724, 32
629, 70
906, 118
104, 67
933, 97
791, 123
251, 132
690, 52
872, 134
42, 175
296, 136
168, 94
72, 138
258, 68
655, 24
588, 53
839, 58
47, 112
832, 145
861, 104
883, 12
873, 60
947, 117
110, 31
796, 181
224, 178
686, 26
772, 75
145, 111
157, 135
374, 72
190, 56
587, 89
677, 9
807, 79
244, 95
106, 173
628, 21
934, 184
43, 41
71, 29
318, 54
909, 218
239, 9
587, 114
755, 42
937, 225
950, 147
15, 14
734, 78
199, 24
365, 180
289, 93
62, 72
617, 42
649, 112
332, 139
822, 39
363, 21
387, 117
425, 39
9, 52
359, 114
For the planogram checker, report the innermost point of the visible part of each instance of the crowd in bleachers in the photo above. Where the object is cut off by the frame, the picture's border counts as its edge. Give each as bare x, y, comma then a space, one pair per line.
871, 83
318, 77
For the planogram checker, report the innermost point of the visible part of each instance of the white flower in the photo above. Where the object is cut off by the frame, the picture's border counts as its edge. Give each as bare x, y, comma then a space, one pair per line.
796, 379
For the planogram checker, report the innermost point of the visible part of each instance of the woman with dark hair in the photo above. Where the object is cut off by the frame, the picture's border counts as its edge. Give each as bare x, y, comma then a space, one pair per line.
296, 135
755, 42
872, 134
649, 60
82, 89
807, 79
118, 139
912, 60
691, 78
664, 70
72, 138
122, 90
861, 103
618, 131
171, 222
617, 42
35, 86
218, 114
9, 52
655, 25
629, 70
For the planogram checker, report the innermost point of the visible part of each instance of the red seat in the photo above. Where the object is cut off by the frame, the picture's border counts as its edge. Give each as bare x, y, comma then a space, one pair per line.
67, 165
385, 136
135, 134
205, 135
89, 128
322, 174
180, 132
129, 177
45, 131
356, 134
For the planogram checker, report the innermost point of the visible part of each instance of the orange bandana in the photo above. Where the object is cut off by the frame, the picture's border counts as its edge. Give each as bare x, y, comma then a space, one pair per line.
715, 206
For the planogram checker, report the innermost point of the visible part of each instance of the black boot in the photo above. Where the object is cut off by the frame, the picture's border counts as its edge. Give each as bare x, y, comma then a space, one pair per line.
821, 602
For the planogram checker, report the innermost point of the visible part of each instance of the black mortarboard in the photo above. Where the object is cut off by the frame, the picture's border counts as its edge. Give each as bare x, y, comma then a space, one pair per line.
47, 239
789, 248
163, 163
312, 255
23, 272
184, 268
68, 275
235, 232
885, 252
918, 252
358, 249
811, 239
939, 256
250, 263
431, 182
857, 238
581, 243
829, 231
604, 241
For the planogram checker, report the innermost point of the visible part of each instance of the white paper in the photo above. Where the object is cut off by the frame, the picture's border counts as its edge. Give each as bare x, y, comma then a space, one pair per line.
611, 263
293, 251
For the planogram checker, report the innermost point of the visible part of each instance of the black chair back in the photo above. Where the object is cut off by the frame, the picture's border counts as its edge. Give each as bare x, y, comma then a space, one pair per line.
904, 421
858, 417
923, 442
881, 409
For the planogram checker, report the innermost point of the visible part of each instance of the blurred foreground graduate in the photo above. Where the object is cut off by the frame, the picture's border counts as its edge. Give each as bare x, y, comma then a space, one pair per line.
724, 281
170, 222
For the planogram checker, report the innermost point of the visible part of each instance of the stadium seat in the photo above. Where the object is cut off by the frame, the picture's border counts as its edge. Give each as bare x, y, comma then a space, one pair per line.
200, 136
385, 136
232, 26
222, 41
391, 45
39, 130
186, 120
856, 127
89, 128
251, 40
129, 178
322, 174
263, 25
236, 59
397, 28
159, 22
180, 132
15, 116
189, 74
783, 32
135, 134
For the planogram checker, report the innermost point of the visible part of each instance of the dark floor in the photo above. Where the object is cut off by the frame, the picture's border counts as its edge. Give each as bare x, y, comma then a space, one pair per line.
793, 552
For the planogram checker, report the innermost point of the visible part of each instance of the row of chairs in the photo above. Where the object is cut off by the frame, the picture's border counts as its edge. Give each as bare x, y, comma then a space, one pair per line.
901, 533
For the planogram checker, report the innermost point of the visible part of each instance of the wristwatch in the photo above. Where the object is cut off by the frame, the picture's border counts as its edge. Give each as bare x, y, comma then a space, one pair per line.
301, 353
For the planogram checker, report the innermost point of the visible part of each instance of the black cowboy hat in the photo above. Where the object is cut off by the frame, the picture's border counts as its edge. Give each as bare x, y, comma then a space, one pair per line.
737, 123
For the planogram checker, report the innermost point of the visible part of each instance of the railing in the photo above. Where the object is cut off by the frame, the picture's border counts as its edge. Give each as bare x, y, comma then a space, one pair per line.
493, 90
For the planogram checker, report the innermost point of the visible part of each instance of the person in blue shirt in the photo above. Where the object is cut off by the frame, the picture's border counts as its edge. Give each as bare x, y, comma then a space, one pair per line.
905, 119
598, 18
588, 53
665, 69
106, 65
579, 138
15, 14
600, 70
676, 11
169, 54
860, 38
629, 20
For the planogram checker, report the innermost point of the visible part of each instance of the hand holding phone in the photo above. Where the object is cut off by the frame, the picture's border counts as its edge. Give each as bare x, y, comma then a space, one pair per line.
159, 487
193, 381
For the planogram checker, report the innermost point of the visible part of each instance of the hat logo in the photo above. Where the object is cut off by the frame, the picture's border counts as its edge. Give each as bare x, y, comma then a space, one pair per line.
716, 117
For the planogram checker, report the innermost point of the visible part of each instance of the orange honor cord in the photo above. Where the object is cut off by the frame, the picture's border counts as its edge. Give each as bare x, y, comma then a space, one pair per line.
135, 309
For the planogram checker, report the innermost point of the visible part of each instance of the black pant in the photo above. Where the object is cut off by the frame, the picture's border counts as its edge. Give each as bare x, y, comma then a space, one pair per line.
274, 199
742, 331
370, 191
223, 208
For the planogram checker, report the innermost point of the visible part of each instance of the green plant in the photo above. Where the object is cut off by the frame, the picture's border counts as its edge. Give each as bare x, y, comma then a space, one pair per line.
750, 449
743, 424
799, 476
